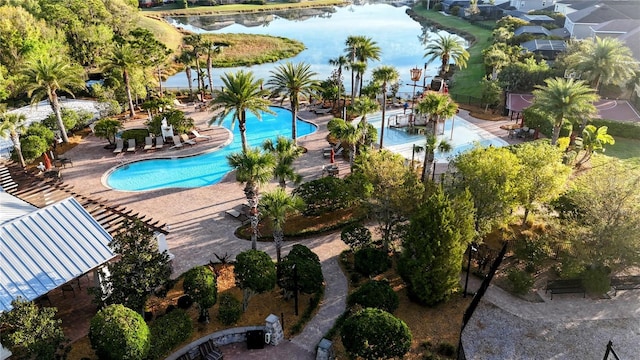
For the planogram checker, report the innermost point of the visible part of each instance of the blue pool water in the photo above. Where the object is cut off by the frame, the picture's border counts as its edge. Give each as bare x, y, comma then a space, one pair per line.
204, 169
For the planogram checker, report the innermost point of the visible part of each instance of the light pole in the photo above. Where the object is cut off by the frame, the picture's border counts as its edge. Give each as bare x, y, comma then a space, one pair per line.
466, 281
424, 79
416, 73
295, 285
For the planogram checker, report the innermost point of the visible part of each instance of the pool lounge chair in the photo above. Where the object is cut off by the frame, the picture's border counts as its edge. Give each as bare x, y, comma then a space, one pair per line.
198, 136
177, 144
119, 146
148, 143
337, 150
159, 142
132, 145
185, 139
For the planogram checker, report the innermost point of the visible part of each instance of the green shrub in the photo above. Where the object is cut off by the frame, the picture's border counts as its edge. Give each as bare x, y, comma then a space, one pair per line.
169, 331
454, 10
117, 332
356, 236
324, 195
200, 283
375, 334
520, 281
375, 294
137, 134
371, 261
309, 270
446, 349
627, 130
596, 279
33, 147
176, 118
37, 129
230, 309
532, 251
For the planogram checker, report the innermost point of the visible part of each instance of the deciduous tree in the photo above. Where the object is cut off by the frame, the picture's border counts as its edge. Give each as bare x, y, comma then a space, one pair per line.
200, 283
255, 272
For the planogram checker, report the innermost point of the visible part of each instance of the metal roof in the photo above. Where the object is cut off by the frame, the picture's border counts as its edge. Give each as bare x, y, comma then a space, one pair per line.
11, 207
47, 248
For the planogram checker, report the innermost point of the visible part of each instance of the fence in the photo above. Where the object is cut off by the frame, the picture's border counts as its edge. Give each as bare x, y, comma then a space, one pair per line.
472, 100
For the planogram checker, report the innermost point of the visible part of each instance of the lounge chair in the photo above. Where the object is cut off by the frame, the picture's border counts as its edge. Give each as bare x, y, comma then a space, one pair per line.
337, 150
177, 103
119, 146
210, 351
198, 136
185, 139
177, 144
148, 143
132, 145
159, 142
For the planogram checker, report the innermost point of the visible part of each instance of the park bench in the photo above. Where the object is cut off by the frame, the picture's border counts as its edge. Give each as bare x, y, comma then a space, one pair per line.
625, 283
568, 286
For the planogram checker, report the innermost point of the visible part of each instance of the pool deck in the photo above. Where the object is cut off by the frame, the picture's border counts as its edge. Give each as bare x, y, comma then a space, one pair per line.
196, 217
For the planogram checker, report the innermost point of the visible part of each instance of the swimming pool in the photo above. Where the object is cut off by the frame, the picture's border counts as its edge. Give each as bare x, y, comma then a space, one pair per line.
465, 137
203, 169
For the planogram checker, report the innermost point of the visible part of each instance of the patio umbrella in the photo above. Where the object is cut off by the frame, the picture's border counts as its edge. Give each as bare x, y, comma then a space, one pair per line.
47, 161
332, 158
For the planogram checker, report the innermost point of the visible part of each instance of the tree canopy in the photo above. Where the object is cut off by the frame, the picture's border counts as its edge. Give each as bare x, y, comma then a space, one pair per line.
375, 334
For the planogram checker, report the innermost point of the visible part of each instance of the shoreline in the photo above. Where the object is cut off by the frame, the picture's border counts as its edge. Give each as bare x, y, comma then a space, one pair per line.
157, 12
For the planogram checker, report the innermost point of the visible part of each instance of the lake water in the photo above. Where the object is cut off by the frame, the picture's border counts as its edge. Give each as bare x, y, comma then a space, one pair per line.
324, 31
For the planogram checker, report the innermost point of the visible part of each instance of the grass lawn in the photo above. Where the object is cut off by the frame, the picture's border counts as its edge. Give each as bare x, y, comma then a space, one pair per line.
625, 149
163, 31
465, 81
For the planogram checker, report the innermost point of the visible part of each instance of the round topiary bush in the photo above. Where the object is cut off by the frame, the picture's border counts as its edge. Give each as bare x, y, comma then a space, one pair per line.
200, 283
169, 331
371, 261
375, 294
117, 332
375, 334
230, 309
356, 236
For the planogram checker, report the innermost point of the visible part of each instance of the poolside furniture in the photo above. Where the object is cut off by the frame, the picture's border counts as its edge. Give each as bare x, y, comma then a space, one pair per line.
159, 142
330, 170
148, 143
132, 145
337, 150
240, 213
177, 144
119, 146
185, 139
177, 103
210, 351
198, 136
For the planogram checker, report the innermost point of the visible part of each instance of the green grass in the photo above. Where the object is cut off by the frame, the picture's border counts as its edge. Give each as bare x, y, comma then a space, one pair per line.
625, 149
175, 9
163, 31
465, 81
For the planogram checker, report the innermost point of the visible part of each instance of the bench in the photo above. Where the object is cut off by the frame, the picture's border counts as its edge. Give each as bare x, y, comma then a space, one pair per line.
568, 286
625, 283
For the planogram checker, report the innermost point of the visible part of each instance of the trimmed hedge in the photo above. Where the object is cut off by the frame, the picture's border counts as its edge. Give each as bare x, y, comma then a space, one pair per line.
169, 331
230, 309
371, 261
375, 294
618, 128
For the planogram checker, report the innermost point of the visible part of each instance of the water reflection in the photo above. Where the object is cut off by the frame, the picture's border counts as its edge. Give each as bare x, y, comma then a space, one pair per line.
324, 31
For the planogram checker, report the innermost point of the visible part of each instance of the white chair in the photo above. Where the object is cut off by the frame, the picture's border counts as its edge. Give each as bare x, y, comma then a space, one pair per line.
119, 146
198, 136
132, 145
159, 142
148, 143
185, 139
177, 144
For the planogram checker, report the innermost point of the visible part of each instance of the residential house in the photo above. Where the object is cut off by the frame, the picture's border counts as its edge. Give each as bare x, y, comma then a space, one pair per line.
448, 4
547, 49
537, 19
530, 5
627, 31
532, 30
579, 23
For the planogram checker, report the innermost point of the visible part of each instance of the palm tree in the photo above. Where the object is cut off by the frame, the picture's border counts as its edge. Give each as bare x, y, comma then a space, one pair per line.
446, 48
367, 50
437, 107
293, 80
564, 99
385, 75
10, 125
186, 58
254, 169
276, 205
124, 59
593, 139
431, 146
285, 151
362, 107
340, 62
352, 44
349, 135
359, 67
211, 48
44, 76
605, 61
240, 93
195, 42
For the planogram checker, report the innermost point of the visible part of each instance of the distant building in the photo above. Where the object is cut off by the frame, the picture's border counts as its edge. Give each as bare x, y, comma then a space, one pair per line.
533, 30
448, 4
529, 5
627, 31
579, 23
547, 49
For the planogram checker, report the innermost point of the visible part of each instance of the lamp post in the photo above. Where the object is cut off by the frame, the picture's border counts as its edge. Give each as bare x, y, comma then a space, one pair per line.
416, 73
424, 79
295, 285
466, 281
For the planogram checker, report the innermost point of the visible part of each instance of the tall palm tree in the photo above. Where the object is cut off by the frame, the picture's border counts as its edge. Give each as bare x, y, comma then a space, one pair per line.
565, 99
366, 51
385, 75
285, 152
186, 58
254, 169
437, 107
351, 46
124, 58
276, 205
362, 107
240, 93
44, 76
195, 42
10, 125
340, 62
605, 61
212, 49
293, 81
359, 67
446, 48
430, 147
